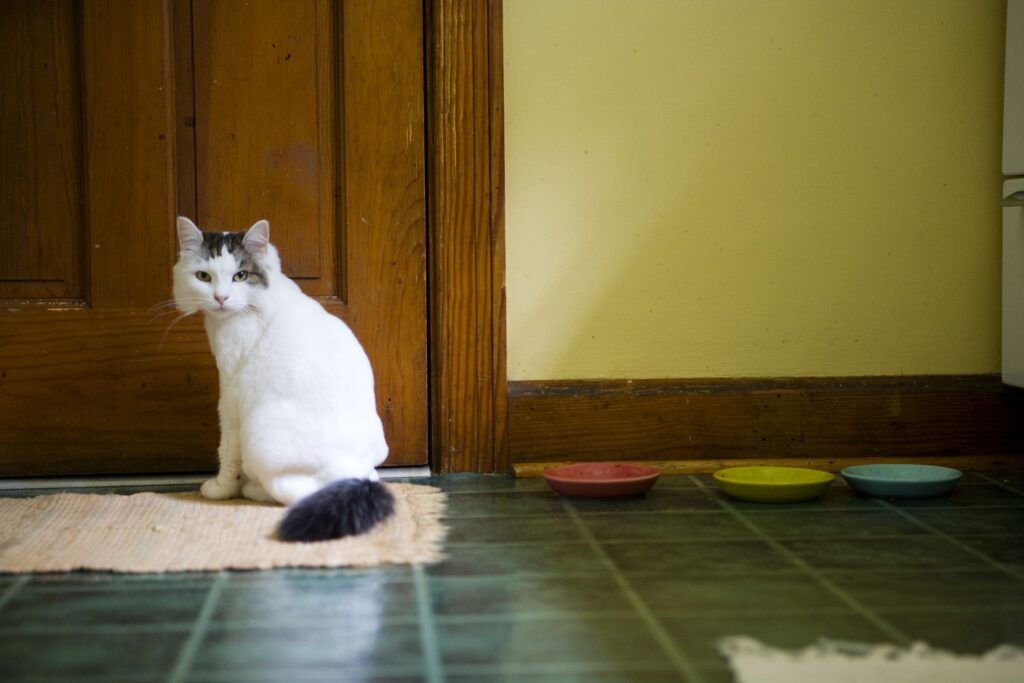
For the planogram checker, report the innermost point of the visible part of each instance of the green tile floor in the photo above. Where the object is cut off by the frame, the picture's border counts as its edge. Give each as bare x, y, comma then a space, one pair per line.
537, 588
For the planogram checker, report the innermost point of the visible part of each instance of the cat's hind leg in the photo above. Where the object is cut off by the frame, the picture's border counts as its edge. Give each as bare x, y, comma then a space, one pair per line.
253, 490
290, 488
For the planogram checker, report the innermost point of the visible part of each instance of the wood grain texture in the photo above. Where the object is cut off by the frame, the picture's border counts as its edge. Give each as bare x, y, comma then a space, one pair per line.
41, 134
764, 419
105, 392
104, 384
384, 190
265, 99
129, 100
184, 109
467, 235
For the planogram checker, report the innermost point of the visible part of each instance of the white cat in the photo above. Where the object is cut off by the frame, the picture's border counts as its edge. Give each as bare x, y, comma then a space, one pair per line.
298, 417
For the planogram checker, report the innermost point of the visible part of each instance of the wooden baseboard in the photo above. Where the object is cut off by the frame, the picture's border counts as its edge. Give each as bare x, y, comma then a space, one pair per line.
710, 422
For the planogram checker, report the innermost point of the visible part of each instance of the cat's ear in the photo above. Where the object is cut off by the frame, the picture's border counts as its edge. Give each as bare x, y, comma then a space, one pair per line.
190, 238
257, 238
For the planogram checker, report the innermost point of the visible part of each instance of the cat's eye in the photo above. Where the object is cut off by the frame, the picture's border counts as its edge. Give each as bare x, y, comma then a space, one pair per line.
203, 275
241, 276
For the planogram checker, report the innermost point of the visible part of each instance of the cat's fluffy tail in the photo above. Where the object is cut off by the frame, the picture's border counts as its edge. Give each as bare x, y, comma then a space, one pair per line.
348, 507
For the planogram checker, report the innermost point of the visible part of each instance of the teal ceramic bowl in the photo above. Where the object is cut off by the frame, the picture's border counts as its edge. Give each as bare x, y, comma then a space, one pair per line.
901, 481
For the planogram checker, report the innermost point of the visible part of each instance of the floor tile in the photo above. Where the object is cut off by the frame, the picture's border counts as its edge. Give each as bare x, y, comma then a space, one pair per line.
1013, 478
39, 608
716, 673
310, 675
836, 498
663, 526
509, 597
657, 500
503, 504
590, 640
359, 644
836, 523
620, 674
113, 581
693, 557
882, 553
981, 521
511, 529
963, 632
911, 590
697, 637
763, 593
463, 483
115, 656
1007, 550
292, 600
391, 572
548, 559
976, 495
525, 596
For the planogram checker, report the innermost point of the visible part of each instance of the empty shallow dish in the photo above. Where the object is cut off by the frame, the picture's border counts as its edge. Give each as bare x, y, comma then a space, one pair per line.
767, 484
902, 481
601, 479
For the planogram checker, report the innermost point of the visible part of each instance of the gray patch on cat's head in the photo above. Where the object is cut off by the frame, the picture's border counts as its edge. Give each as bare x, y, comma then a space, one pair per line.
216, 243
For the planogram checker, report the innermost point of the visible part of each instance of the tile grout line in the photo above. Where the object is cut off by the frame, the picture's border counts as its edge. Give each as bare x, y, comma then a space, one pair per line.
199, 629
679, 661
1000, 484
955, 541
15, 586
428, 627
845, 597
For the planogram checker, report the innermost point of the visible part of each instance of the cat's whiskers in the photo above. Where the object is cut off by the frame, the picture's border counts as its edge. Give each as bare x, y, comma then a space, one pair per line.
169, 306
168, 330
161, 304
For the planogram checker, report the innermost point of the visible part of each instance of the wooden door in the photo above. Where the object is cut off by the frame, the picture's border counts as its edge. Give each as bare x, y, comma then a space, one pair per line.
117, 115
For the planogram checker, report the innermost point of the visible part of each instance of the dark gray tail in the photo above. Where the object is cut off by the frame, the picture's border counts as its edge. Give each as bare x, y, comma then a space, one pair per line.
348, 507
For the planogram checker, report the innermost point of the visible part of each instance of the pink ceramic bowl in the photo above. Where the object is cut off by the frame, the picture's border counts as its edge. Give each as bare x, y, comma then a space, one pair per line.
601, 479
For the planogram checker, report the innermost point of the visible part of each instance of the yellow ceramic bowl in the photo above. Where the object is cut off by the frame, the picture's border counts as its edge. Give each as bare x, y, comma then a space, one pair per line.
762, 484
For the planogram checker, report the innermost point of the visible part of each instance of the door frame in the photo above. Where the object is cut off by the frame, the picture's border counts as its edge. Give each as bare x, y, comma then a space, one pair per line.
466, 236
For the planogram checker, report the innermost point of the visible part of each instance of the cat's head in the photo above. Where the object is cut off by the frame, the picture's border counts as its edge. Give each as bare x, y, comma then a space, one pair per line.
222, 273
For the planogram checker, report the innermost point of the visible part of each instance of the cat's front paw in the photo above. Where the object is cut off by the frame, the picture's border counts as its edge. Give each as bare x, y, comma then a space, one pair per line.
215, 490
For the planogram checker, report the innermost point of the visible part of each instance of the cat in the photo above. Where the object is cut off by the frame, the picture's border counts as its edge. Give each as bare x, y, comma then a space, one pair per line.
298, 416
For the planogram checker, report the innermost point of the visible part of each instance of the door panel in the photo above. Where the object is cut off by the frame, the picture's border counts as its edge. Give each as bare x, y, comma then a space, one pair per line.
384, 190
267, 124
41, 183
309, 114
129, 108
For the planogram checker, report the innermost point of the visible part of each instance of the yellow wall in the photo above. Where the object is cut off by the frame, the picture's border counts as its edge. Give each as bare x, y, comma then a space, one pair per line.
701, 188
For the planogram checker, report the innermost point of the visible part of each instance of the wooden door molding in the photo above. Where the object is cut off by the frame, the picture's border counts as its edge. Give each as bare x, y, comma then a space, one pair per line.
466, 232
77, 318
120, 115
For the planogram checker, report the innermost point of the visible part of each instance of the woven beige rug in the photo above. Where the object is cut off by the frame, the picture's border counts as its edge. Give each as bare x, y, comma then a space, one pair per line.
172, 532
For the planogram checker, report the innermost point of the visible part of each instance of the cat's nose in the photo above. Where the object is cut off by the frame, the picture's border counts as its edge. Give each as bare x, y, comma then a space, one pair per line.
220, 299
